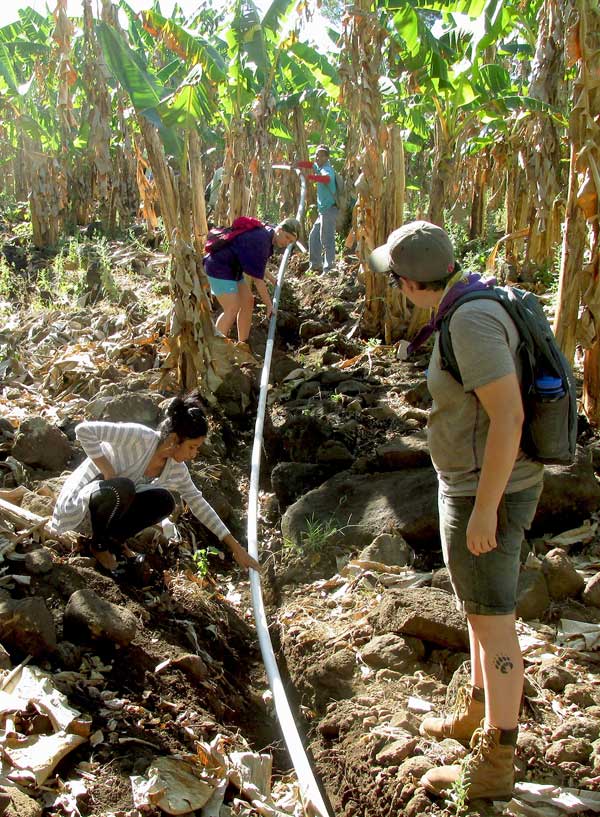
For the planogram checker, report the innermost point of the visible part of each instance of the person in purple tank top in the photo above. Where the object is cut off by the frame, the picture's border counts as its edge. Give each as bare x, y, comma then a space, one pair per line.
247, 253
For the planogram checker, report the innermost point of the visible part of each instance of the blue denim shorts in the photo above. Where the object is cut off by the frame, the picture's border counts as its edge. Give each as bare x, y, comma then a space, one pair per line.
223, 286
487, 584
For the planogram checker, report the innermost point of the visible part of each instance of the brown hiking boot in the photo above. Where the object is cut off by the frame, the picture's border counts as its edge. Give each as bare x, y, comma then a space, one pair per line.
487, 772
466, 716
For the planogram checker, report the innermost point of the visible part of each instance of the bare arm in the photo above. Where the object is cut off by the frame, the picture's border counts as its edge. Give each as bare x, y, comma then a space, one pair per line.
263, 292
180, 479
502, 402
239, 553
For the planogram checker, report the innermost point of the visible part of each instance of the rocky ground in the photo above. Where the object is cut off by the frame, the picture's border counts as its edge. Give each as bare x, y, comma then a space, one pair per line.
162, 663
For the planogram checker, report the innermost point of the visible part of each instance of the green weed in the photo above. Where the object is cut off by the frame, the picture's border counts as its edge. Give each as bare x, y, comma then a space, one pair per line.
201, 560
458, 794
23, 230
6, 279
108, 282
317, 533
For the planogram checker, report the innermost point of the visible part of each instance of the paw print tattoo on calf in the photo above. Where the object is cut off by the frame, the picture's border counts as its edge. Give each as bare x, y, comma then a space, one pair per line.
503, 663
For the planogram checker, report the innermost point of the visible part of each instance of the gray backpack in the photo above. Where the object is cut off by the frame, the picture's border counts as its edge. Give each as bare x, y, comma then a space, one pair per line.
547, 382
340, 191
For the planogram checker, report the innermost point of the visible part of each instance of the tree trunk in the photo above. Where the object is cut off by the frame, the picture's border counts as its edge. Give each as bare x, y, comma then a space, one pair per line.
516, 214
478, 196
98, 167
362, 49
579, 280
540, 153
236, 154
443, 165
47, 197
199, 222
163, 176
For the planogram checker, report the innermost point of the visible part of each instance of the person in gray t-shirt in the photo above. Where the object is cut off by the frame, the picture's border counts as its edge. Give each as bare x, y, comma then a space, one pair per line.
488, 494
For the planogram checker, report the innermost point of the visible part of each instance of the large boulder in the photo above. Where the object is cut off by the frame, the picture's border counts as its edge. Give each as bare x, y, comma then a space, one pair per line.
126, 408
301, 436
87, 617
425, 613
591, 594
571, 493
41, 445
533, 598
234, 395
562, 577
410, 451
362, 506
290, 480
27, 625
388, 549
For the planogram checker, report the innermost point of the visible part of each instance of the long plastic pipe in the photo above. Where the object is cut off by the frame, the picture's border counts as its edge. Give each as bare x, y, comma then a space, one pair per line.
309, 790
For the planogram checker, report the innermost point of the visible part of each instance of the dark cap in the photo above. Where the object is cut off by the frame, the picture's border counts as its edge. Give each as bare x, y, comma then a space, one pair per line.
419, 250
322, 149
291, 226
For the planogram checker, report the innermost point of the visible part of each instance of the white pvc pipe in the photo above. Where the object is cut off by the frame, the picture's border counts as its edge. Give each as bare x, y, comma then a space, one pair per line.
309, 790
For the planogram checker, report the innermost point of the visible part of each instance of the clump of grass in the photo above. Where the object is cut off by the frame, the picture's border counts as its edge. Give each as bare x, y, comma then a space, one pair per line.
109, 285
315, 536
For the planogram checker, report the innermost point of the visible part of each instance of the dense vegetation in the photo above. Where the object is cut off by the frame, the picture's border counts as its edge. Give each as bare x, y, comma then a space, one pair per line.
481, 115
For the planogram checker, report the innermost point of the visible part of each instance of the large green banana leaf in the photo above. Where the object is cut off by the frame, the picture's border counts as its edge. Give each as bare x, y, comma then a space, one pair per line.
191, 48
320, 64
145, 92
7, 71
276, 14
189, 104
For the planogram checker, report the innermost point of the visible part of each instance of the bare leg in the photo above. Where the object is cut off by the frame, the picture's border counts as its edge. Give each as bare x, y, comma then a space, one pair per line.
230, 303
475, 649
502, 665
244, 315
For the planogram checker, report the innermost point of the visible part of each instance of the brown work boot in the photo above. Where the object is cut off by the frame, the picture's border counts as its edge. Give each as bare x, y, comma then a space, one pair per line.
460, 724
487, 772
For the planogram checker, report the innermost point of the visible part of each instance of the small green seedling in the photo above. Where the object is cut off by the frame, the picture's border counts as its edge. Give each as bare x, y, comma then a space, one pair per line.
201, 560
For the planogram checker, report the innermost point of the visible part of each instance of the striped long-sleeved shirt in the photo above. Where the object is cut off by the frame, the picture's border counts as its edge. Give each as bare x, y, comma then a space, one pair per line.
129, 448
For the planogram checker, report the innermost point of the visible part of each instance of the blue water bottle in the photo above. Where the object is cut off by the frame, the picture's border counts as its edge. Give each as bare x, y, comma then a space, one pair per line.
548, 387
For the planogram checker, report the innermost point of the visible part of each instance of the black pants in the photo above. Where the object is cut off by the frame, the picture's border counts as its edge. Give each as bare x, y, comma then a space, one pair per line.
117, 511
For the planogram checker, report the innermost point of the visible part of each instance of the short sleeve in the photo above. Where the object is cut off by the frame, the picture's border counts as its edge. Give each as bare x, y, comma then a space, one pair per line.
481, 339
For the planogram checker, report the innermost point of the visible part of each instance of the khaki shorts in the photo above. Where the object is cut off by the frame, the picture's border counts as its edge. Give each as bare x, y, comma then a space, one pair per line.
486, 584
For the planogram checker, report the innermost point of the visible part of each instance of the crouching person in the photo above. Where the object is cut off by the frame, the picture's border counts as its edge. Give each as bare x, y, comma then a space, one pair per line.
488, 494
124, 485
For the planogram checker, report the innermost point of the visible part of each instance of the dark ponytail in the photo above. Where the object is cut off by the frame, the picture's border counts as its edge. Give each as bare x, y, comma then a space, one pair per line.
185, 417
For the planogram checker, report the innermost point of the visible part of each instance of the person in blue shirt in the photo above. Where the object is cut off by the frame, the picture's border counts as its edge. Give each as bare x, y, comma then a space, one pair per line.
246, 253
321, 241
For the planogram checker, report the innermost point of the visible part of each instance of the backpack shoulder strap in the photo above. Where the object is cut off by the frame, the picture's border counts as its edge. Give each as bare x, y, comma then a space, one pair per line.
526, 312
447, 357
